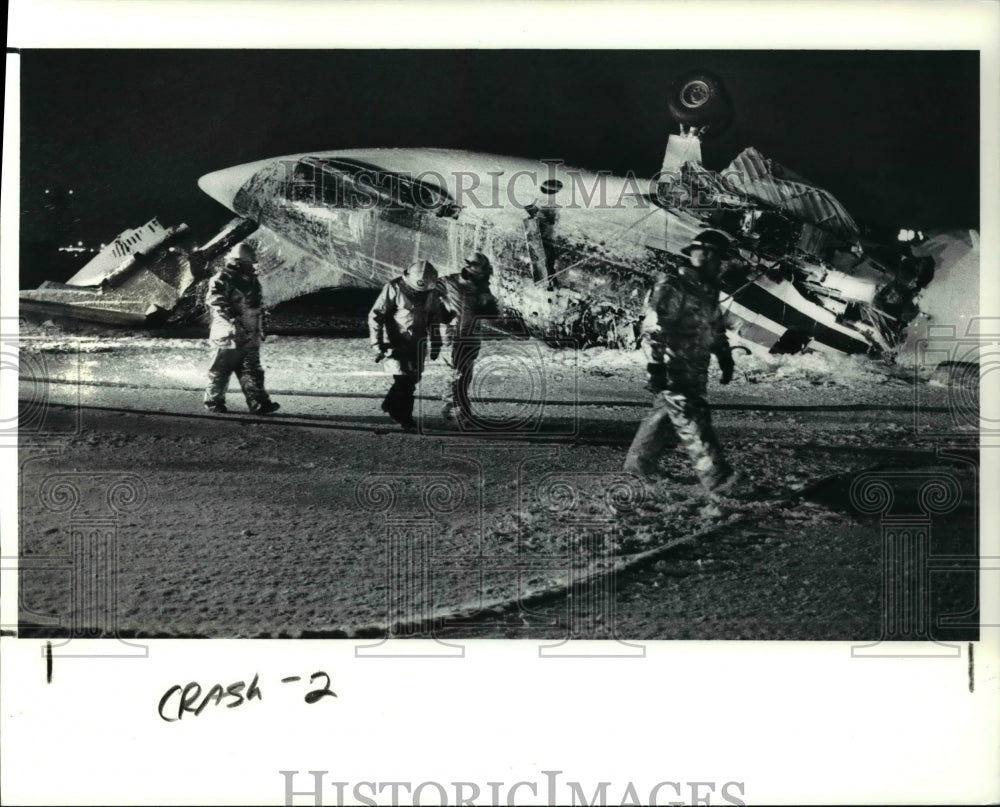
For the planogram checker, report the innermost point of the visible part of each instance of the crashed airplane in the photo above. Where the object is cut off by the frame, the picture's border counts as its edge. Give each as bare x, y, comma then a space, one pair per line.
575, 251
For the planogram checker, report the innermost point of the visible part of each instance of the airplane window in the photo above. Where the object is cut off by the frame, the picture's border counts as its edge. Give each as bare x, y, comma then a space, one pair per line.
333, 190
354, 184
302, 182
340, 191
392, 188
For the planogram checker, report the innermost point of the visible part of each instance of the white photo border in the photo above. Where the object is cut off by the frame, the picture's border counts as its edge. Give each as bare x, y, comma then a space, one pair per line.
796, 722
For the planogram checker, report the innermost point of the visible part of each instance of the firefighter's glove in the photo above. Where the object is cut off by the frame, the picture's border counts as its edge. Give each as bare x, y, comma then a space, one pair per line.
380, 352
657, 378
727, 365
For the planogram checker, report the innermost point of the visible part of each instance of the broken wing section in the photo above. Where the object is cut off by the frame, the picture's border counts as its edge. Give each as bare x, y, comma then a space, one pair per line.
803, 277
140, 279
770, 182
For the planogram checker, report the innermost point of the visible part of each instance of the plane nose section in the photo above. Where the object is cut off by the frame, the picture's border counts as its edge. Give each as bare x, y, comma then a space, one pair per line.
223, 185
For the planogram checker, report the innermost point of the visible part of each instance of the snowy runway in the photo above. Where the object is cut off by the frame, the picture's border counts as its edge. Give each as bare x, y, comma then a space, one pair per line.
327, 521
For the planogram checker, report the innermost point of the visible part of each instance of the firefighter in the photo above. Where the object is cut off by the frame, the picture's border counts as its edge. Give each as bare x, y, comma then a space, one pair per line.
402, 323
682, 328
234, 302
467, 299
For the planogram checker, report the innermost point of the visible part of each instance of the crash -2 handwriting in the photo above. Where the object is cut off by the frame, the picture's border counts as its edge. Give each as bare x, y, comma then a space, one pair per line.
192, 699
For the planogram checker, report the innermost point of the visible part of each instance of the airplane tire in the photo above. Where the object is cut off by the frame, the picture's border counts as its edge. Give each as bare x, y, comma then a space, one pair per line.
699, 99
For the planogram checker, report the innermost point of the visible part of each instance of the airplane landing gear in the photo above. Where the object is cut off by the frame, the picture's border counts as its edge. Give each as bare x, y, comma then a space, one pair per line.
698, 101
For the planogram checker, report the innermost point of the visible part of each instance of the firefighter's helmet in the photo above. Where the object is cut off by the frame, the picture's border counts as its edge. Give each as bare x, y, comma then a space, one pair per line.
242, 253
421, 275
709, 239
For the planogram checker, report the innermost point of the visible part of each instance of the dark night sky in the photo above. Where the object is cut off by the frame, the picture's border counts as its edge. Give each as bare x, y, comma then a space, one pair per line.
894, 135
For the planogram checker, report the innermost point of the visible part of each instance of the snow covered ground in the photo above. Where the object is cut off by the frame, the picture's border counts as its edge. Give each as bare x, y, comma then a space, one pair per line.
311, 363
328, 521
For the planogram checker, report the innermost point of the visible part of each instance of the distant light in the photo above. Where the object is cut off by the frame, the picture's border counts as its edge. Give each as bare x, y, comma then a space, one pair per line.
70, 190
79, 243
46, 190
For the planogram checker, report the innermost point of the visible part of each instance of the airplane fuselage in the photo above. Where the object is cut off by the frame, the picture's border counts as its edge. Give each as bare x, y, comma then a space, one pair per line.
565, 243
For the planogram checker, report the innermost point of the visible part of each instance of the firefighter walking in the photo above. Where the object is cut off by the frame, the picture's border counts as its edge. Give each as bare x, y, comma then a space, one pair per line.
467, 300
234, 301
682, 328
402, 323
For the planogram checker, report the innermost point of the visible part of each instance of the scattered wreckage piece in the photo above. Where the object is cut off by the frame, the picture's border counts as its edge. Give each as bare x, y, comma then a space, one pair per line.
800, 278
138, 280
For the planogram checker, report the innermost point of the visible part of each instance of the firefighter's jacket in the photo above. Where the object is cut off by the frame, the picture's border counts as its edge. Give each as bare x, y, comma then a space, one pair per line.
465, 302
234, 301
682, 321
401, 317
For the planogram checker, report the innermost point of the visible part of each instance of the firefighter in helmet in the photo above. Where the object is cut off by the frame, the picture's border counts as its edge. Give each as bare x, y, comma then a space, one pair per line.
682, 328
234, 301
402, 324
467, 301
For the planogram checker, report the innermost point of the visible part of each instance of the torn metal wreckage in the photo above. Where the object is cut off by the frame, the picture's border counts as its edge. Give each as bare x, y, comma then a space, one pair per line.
575, 251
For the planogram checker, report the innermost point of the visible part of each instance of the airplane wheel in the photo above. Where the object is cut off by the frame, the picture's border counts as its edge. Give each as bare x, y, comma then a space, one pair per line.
699, 99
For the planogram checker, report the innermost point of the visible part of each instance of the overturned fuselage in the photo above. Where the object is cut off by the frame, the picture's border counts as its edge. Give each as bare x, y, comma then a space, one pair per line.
574, 251
567, 245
